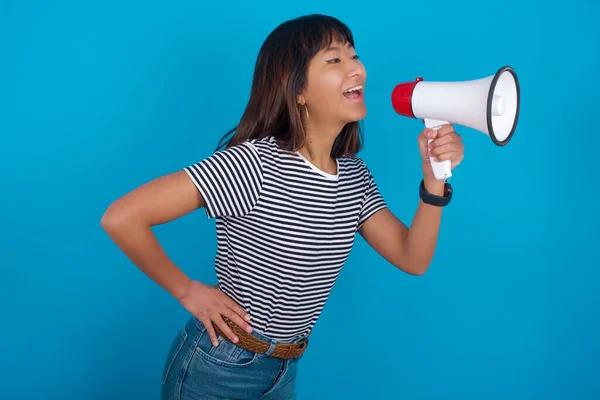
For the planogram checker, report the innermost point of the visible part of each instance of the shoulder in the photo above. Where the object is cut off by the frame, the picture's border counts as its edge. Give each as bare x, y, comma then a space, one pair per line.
241, 156
263, 142
250, 149
355, 166
264, 146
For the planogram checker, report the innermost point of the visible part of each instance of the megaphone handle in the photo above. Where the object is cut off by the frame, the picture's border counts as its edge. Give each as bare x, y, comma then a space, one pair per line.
441, 169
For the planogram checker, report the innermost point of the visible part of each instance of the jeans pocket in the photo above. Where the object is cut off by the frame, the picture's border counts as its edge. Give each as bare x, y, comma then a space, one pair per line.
226, 354
174, 350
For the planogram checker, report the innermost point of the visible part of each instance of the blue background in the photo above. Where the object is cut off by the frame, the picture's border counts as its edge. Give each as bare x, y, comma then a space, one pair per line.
98, 98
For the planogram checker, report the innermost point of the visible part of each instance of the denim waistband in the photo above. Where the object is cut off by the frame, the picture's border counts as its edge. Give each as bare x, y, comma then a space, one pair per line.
260, 335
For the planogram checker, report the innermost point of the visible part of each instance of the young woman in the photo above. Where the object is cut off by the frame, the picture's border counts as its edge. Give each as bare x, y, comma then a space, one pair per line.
289, 195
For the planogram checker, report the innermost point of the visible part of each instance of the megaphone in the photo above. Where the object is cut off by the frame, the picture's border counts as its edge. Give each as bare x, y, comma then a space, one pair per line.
490, 105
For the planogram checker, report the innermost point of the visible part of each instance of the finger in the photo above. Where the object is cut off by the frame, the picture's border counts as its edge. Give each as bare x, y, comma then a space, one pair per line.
233, 316
423, 141
444, 157
452, 137
445, 129
218, 320
452, 156
458, 159
231, 304
431, 133
454, 153
211, 332
446, 148
425, 135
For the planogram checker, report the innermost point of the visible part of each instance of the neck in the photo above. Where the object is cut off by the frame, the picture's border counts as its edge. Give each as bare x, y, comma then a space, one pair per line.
318, 145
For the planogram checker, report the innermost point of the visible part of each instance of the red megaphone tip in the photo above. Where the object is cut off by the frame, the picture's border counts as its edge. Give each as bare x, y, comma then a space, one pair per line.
402, 96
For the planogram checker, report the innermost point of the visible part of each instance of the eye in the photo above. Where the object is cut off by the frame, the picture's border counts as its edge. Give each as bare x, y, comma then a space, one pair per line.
336, 60
356, 57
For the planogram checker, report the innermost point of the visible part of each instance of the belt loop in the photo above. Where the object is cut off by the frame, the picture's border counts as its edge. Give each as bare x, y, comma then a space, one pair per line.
271, 348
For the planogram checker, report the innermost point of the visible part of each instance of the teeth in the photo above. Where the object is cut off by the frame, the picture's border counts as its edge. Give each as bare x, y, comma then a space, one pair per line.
353, 89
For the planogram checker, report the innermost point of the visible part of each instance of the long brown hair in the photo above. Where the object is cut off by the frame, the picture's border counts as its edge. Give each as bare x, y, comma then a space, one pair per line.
280, 75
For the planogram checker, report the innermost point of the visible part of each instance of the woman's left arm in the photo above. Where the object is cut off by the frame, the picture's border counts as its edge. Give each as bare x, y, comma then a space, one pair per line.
411, 249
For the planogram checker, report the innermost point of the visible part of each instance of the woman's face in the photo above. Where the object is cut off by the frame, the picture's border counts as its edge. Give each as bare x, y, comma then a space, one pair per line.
335, 86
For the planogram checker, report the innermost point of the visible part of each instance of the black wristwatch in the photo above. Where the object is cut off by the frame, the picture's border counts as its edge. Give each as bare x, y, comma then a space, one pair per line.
434, 200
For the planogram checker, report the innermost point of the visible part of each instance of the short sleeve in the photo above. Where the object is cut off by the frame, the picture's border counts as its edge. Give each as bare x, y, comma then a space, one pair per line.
229, 181
372, 201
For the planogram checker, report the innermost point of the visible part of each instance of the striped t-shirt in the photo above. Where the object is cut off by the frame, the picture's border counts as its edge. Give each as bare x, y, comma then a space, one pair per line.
284, 229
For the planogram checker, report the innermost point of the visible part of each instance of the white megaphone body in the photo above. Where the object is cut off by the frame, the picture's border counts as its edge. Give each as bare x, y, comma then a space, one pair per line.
489, 105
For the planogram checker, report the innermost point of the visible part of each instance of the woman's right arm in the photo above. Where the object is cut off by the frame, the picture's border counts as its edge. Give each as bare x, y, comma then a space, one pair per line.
129, 221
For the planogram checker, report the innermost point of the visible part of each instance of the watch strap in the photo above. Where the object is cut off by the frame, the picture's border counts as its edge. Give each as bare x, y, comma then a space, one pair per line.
433, 199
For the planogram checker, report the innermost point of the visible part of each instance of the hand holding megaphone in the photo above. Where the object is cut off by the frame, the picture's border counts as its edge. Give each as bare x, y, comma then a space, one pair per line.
441, 149
490, 105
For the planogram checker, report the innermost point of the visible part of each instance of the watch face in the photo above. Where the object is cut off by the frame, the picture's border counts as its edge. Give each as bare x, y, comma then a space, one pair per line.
448, 189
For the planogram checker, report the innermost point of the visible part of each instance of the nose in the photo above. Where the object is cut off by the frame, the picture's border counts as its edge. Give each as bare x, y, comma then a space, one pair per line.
356, 70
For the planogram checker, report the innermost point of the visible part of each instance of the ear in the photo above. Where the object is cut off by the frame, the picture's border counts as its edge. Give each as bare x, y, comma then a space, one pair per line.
301, 100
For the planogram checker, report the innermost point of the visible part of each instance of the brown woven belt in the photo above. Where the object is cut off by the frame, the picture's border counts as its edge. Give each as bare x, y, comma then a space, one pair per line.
256, 345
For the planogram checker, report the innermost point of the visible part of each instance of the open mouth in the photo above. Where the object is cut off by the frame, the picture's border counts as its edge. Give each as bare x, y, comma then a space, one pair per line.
354, 92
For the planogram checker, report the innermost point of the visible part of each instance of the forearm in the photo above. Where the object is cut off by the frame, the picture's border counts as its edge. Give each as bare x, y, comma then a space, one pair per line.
423, 233
141, 246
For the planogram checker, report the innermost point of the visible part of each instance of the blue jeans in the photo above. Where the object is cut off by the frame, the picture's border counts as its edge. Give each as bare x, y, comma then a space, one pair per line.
195, 369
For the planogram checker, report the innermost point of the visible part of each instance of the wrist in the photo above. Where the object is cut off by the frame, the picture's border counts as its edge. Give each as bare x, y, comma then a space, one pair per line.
434, 186
182, 289
433, 195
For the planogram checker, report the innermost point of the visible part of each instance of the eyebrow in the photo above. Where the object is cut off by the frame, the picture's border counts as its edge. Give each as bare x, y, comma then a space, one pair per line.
330, 48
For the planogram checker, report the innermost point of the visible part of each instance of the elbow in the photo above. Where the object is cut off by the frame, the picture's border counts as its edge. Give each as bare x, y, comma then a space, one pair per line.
107, 222
420, 271
417, 264
111, 219
415, 269
118, 218
421, 267
413, 260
